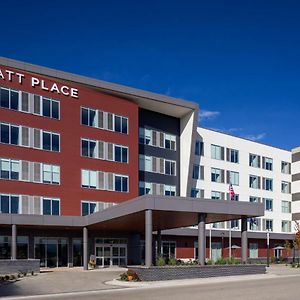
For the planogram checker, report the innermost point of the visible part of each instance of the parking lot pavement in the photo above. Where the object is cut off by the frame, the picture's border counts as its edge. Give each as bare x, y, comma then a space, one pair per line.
61, 281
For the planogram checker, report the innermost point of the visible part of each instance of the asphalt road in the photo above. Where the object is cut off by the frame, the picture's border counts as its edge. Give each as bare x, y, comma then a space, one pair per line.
281, 287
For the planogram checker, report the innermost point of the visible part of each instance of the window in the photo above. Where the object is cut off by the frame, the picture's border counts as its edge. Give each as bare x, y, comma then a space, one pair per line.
50, 108
268, 204
121, 124
199, 148
50, 141
197, 193
285, 187
170, 142
217, 152
9, 134
145, 188
254, 160
170, 167
268, 163
148, 137
218, 225
253, 250
254, 224
51, 206
88, 207
9, 204
121, 183
235, 224
286, 226
233, 155
217, 175
286, 207
216, 195
254, 182
268, 184
168, 249
10, 169
51, 174
170, 190
269, 225
236, 197
285, 167
254, 199
233, 177
9, 99
198, 172
88, 148
88, 117
89, 179
121, 154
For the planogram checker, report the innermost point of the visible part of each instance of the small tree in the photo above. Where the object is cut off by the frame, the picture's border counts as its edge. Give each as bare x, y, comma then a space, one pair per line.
288, 247
296, 242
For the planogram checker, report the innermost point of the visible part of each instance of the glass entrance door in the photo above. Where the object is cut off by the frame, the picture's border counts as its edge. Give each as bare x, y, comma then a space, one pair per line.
216, 250
111, 255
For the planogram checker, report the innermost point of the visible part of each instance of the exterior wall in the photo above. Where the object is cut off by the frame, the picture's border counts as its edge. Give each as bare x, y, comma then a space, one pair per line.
69, 158
296, 183
245, 147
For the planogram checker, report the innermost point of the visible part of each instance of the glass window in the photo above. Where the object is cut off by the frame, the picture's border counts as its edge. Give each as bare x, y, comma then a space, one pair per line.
254, 160
121, 154
5, 168
14, 204
170, 190
254, 182
198, 172
46, 141
268, 184
4, 98
269, 204
46, 107
15, 169
286, 226
55, 109
124, 125
84, 116
216, 195
233, 155
197, 193
285, 187
216, 175
14, 100
199, 150
46, 206
84, 147
5, 133
170, 167
268, 163
4, 204
55, 142
234, 178
217, 152
118, 124
55, 207
285, 207
285, 167
253, 199
170, 141
51, 207
84, 208
269, 225
121, 183
14, 135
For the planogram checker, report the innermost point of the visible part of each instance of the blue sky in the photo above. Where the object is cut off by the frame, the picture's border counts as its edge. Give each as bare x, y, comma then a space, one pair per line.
238, 59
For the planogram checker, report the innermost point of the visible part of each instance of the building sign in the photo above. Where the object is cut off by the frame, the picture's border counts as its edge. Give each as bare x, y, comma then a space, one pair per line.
42, 84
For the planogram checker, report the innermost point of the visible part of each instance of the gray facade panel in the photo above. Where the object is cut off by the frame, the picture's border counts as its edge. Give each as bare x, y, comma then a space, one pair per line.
296, 197
296, 177
296, 157
159, 178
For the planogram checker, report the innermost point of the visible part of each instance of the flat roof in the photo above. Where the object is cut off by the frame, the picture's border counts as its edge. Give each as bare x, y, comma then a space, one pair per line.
148, 100
168, 213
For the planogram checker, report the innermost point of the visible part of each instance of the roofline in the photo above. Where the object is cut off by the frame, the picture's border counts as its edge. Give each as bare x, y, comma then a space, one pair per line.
243, 138
96, 83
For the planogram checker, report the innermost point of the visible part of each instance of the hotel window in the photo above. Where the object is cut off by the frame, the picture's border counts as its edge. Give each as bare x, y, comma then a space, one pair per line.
268, 184
233, 177
50, 141
268, 204
268, 225
121, 183
217, 195
121, 154
254, 182
218, 225
170, 190
217, 175
9, 204
254, 160
88, 148
51, 174
121, 124
88, 117
50, 108
197, 193
232, 155
286, 226
88, 207
9, 134
285, 187
170, 142
148, 136
235, 224
254, 224
199, 148
285, 167
145, 188
267, 163
217, 152
89, 179
286, 207
254, 199
51, 206
235, 198
9, 99
10, 169
198, 172
170, 167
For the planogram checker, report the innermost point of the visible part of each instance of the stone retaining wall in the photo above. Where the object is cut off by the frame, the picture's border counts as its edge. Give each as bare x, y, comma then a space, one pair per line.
187, 272
8, 266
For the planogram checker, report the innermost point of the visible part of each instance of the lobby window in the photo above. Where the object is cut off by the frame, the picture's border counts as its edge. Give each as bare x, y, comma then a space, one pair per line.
50, 141
199, 148
168, 249
286, 226
268, 204
145, 188
9, 204
170, 142
254, 160
217, 175
88, 148
285, 187
217, 195
121, 124
267, 163
51, 206
253, 250
254, 182
121, 183
170, 167
232, 155
268, 184
121, 153
89, 179
198, 172
51, 174
268, 225
9, 99
286, 207
9, 134
285, 167
197, 193
217, 152
170, 190
233, 177
9, 169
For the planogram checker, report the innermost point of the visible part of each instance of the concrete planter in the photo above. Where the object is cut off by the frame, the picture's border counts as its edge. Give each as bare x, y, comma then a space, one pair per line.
8, 266
188, 272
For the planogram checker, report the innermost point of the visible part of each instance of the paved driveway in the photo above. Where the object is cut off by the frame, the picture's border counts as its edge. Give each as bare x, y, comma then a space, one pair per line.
61, 281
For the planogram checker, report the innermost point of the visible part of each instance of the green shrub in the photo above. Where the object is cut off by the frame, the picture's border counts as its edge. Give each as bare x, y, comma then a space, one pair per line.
172, 261
220, 261
209, 262
160, 261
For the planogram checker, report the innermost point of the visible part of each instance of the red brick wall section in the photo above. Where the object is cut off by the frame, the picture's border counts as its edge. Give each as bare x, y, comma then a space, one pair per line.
69, 159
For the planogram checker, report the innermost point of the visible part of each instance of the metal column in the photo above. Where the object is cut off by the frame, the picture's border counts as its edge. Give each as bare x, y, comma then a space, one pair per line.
148, 238
158, 243
201, 239
244, 241
14, 241
85, 248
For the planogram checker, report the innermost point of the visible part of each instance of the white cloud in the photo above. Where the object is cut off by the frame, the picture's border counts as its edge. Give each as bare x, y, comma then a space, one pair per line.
208, 114
255, 137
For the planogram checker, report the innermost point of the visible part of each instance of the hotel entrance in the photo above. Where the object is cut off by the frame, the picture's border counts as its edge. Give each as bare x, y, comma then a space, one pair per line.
111, 252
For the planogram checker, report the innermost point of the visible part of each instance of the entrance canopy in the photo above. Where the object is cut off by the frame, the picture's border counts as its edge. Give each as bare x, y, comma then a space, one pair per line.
168, 213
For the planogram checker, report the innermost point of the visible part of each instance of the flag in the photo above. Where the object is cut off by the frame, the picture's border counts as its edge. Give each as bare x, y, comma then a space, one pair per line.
231, 192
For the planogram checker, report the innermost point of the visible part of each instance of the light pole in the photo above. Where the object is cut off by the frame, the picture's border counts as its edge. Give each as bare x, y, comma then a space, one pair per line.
222, 234
268, 248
